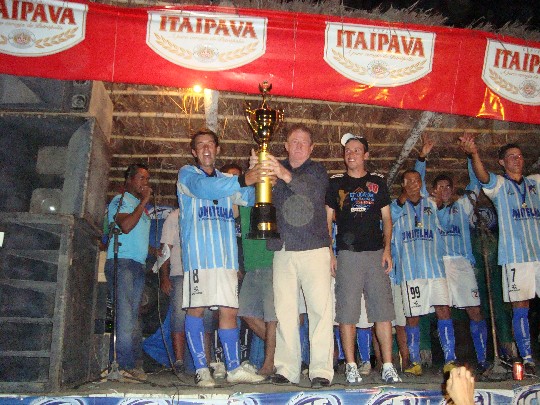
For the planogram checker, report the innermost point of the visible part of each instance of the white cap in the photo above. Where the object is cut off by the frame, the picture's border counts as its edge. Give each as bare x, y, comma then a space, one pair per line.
348, 136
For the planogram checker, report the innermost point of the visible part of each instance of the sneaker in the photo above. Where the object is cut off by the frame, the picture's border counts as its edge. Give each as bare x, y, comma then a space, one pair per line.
449, 367
352, 376
204, 379
365, 368
248, 366
390, 375
414, 369
319, 382
304, 370
138, 373
243, 374
218, 369
529, 369
178, 367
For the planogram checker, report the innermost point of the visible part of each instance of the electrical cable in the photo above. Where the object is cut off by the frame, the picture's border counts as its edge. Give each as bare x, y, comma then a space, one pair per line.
160, 317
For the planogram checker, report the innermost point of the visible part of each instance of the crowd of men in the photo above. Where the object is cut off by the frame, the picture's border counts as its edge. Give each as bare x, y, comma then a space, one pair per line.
393, 261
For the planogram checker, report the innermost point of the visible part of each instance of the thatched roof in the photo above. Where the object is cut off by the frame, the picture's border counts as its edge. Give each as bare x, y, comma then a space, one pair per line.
153, 124
409, 15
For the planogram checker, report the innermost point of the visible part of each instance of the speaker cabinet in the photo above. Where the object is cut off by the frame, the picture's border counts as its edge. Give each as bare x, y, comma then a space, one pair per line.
47, 301
53, 164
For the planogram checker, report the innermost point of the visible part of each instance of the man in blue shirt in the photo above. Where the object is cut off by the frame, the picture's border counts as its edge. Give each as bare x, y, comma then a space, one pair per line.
454, 216
128, 212
210, 254
517, 202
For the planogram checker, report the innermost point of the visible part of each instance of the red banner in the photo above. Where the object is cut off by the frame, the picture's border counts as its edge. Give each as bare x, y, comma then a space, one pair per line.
437, 69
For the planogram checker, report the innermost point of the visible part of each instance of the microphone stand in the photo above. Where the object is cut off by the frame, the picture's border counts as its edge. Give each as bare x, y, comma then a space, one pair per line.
114, 372
497, 372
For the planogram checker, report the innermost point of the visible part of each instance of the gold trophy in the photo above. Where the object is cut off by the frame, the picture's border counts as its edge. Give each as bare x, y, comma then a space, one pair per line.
263, 121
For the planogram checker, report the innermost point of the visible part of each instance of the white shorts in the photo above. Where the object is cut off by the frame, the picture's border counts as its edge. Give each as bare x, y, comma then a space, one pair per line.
421, 295
521, 281
210, 288
398, 306
462, 285
363, 321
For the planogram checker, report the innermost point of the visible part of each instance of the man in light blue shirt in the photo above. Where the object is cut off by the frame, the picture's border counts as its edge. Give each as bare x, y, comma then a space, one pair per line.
454, 215
210, 253
517, 202
128, 212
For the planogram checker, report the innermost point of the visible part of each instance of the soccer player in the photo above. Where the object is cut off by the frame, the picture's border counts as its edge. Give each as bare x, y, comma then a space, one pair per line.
454, 215
171, 275
418, 254
360, 202
209, 253
517, 201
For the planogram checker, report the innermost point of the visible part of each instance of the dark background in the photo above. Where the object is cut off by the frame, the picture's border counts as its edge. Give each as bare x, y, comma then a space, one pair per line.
462, 13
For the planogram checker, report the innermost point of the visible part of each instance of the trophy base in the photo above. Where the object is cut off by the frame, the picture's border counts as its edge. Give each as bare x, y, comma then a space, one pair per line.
263, 222
263, 235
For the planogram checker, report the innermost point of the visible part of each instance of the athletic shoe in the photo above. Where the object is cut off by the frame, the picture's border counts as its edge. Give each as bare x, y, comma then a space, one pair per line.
352, 376
529, 369
304, 370
138, 373
243, 374
449, 367
204, 379
248, 366
218, 369
414, 369
390, 375
365, 368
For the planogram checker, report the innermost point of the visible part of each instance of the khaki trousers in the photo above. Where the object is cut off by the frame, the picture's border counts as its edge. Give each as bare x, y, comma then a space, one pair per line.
308, 271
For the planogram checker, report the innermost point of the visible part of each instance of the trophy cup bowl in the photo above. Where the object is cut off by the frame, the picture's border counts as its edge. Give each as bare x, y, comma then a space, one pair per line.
263, 122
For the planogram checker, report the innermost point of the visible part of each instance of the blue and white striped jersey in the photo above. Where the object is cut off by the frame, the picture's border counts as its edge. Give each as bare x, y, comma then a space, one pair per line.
417, 241
454, 218
518, 212
207, 227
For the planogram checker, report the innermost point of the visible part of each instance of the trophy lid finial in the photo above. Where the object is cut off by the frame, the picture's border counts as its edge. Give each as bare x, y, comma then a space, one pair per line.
265, 87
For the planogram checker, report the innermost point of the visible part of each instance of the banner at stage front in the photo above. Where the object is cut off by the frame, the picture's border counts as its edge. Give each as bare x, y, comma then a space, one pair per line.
343, 59
370, 396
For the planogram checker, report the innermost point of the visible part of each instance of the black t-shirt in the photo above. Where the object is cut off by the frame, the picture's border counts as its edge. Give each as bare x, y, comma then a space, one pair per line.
357, 203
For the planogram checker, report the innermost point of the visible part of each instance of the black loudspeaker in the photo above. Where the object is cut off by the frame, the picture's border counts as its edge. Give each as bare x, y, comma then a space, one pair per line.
55, 162
47, 300
44, 95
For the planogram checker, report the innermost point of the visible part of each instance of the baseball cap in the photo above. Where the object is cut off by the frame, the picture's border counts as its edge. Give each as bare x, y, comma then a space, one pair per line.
348, 136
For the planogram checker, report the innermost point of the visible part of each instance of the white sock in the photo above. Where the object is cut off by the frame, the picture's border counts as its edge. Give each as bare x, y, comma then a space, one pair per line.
386, 366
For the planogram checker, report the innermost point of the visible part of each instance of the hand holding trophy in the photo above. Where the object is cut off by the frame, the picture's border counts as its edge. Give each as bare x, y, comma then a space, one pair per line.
263, 122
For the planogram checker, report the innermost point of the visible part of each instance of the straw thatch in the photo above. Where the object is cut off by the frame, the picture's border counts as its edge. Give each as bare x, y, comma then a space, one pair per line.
153, 124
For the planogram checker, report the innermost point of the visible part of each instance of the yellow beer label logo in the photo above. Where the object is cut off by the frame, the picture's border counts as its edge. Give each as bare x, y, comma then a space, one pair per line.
206, 41
38, 28
513, 71
378, 56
